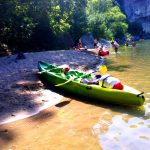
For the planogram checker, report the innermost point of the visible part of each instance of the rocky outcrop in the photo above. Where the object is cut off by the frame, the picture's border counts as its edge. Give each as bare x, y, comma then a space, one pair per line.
138, 10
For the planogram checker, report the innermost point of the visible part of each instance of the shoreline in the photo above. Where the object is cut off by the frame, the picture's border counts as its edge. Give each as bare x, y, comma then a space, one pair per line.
22, 94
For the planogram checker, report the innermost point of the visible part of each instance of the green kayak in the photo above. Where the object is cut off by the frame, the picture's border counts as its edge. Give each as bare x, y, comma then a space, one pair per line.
70, 82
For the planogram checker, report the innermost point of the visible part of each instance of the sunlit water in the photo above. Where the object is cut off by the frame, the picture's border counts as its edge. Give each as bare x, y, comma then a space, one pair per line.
127, 130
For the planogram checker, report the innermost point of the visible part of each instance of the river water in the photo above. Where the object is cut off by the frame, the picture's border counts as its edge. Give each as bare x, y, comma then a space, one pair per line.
128, 129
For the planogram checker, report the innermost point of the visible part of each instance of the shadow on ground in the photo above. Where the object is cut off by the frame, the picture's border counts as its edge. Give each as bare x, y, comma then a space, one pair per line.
6, 136
131, 110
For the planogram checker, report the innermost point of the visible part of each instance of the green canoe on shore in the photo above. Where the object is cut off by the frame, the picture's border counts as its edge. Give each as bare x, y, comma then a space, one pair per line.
70, 82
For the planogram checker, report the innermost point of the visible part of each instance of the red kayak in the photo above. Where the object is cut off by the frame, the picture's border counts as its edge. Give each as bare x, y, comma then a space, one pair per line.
103, 52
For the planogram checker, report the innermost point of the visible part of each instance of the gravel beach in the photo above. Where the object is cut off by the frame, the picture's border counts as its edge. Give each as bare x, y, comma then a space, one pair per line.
22, 93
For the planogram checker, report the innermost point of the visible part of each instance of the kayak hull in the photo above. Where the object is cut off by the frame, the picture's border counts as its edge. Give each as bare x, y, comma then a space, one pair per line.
95, 92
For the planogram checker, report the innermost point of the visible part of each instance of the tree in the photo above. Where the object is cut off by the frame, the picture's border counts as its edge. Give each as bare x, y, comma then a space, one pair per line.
116, 22
105, 20
78, 19
42, 35
16, 27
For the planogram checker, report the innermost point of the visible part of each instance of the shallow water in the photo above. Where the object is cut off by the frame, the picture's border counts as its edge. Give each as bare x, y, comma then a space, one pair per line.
83, 125
128, 130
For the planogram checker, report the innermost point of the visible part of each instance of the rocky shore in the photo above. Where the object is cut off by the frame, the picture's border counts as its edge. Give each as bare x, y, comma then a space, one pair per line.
22, 93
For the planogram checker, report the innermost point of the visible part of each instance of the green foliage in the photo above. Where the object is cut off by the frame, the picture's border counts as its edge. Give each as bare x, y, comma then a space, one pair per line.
59, 16
106, 20
49, 24
116, 21
16, 26
78, 19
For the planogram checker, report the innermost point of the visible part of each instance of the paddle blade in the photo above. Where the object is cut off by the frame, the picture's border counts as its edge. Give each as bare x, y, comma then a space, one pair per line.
102, 69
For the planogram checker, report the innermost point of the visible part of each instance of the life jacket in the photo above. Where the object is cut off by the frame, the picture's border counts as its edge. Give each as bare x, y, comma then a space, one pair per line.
108, 81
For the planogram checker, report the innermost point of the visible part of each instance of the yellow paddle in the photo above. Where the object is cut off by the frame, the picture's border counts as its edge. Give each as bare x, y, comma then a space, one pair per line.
103, 69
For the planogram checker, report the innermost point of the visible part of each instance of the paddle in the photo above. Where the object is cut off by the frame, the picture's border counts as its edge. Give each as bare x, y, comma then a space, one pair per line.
102, 70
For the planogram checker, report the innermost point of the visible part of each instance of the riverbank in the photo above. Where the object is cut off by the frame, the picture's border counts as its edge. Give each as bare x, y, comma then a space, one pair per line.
22, 94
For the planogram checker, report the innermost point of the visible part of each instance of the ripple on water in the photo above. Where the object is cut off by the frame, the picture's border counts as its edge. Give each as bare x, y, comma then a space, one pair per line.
147, 110
123, 133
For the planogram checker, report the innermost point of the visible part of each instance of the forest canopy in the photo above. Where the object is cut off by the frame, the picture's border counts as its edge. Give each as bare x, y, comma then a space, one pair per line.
56, 24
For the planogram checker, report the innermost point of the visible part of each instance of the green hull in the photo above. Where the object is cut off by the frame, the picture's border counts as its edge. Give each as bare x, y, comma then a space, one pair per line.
53, 75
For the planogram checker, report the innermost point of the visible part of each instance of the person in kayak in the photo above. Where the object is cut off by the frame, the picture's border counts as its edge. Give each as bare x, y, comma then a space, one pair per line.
102, 51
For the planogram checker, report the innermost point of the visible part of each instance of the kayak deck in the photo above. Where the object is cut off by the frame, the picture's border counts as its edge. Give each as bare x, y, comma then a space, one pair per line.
70, 82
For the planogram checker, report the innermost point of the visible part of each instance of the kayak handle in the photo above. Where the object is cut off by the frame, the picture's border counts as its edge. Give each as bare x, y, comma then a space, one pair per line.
141, 94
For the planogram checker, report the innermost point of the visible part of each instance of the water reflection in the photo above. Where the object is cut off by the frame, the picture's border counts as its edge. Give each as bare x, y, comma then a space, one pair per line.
147, 111
122, 132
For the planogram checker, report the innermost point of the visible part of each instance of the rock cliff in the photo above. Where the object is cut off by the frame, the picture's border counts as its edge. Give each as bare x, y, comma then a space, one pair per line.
137, 10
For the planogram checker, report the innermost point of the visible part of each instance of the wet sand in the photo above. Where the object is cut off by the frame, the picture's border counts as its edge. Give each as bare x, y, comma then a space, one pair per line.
56, 128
